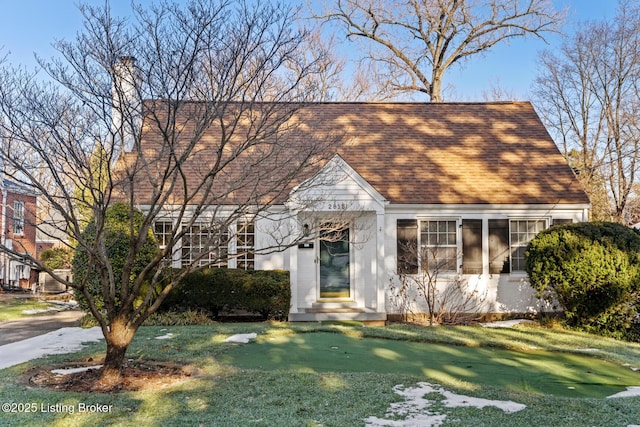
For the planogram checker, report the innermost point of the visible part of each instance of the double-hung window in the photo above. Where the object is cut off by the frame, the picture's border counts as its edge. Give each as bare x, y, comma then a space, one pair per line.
508, 239
439, 245
18, 217
521, 232
427, 245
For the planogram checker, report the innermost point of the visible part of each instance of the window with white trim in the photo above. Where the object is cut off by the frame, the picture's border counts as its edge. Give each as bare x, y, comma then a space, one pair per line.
521, 232
18, 217
439, 245
205, 246
162, 230
245, 246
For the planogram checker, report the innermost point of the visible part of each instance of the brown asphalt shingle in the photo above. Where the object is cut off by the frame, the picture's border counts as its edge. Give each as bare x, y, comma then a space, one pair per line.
441, 153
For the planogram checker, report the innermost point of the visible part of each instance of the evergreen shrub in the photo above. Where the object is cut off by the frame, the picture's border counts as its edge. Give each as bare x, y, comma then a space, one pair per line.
219, 291
593, 271
117, 240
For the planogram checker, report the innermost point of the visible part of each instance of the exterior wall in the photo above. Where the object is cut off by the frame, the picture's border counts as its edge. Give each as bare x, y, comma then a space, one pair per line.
503, 293
373, 253
269, 231
24, 242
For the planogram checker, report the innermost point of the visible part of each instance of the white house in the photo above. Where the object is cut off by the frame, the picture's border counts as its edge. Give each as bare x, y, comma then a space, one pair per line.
476, 181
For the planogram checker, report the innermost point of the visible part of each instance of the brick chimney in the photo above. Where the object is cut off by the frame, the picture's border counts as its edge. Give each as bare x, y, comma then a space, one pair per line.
126, 109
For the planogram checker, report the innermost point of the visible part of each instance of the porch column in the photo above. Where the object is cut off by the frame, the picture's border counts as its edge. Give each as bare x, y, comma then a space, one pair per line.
379, 264
293, 269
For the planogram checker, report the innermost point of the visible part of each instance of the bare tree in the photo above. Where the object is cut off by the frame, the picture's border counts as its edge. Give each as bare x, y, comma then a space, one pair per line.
588, 96
497, 92
198, 130
411, 44
335, 81
434, 284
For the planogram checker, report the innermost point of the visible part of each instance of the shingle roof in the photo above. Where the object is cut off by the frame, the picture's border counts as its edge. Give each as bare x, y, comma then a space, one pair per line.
446, 153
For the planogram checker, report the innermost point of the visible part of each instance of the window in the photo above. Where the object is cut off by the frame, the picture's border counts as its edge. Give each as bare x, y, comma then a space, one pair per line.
245, 245
162, 231
562, 221
428, 244
439, 245
521, 233
18, 217
205, 246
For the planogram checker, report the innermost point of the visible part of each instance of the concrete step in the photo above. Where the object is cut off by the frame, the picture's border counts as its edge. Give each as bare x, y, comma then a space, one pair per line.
328, 315
335, 310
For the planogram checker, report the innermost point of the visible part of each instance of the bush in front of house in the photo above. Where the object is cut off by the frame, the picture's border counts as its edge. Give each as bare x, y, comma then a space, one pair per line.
593, 271
117, 239
268, 293
212, 290
218, 291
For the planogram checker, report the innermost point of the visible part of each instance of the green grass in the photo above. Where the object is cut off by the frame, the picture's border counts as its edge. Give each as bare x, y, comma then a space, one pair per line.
229, 393
13, 308
534, 371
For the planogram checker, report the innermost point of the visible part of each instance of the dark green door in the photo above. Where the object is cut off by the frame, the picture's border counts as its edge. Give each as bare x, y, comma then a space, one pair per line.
334, 266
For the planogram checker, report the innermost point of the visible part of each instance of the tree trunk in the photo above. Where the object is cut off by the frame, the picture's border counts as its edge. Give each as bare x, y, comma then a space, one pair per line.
120, 335
436, 88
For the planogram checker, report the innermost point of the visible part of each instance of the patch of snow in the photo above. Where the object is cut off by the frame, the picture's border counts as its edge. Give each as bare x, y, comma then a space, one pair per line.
56, 306
588, 350
457, 400
41, 310
165, 336
630, 392
241, 338
74, 370
415, 408
61, 341
66, 304
505, 323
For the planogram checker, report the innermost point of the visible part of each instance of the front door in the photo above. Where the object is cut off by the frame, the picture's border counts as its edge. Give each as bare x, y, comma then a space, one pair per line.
334, 264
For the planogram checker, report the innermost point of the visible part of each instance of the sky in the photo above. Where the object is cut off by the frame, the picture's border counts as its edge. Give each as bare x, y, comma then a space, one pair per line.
29, 27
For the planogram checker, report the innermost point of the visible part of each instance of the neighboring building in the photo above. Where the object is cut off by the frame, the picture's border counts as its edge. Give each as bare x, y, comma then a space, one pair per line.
18, 219
474, 181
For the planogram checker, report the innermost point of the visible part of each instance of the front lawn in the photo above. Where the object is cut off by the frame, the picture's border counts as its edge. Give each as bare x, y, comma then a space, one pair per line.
14, 308
280, 379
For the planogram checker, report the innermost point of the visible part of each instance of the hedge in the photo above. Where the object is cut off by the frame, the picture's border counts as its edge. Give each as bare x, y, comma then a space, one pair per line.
218, 291
592, 270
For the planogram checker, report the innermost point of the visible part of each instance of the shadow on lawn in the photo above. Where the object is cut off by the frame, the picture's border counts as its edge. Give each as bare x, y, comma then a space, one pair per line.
532, 371
326, 378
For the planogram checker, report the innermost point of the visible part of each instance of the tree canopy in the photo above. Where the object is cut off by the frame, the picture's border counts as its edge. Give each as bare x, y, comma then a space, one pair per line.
176, 72
410, 45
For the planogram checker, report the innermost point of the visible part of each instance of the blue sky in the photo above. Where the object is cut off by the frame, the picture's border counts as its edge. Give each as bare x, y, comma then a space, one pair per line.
30, 26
